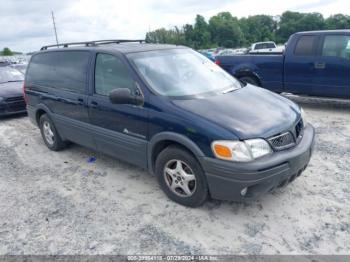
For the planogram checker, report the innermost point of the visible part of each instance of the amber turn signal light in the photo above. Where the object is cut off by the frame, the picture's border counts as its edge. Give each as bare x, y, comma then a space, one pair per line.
222, 151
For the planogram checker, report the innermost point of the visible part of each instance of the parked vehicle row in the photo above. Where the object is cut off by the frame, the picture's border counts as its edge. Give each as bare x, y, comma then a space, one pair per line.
11, 95
314, 63
15, 59
228, 51
255, 48
12, 70
171, 111
212, 53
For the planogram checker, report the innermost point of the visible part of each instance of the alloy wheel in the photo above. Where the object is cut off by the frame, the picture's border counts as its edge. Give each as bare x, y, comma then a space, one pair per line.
48, 133
179, 178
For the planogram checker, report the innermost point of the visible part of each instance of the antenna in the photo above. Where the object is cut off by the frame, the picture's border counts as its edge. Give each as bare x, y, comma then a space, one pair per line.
54, 27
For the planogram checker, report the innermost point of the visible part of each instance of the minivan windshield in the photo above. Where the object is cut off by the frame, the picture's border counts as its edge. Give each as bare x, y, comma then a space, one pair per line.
182, 72
8, 74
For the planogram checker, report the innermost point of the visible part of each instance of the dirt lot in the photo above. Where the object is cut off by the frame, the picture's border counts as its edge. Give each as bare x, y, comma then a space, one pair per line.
58, 203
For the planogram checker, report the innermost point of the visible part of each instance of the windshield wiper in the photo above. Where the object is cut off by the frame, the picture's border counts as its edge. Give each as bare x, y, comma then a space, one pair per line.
229, 90
11, 81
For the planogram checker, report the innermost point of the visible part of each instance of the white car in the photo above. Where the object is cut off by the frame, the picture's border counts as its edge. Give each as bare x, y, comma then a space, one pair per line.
265, 47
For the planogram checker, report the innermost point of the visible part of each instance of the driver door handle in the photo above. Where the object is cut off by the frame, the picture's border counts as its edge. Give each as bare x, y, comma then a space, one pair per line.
320, 65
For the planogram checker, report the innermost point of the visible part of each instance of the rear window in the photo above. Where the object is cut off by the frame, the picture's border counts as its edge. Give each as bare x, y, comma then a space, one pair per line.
264, 46
305, 45
61, 70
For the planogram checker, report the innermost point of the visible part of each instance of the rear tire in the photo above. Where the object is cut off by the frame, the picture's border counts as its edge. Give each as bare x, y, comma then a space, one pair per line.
49, 134
250, 80
181, 177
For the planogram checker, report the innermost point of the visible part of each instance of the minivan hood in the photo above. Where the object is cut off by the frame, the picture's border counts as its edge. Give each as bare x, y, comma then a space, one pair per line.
11, 89
249, 112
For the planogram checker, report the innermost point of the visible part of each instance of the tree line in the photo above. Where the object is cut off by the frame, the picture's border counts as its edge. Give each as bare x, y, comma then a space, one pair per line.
228, 31
6, 52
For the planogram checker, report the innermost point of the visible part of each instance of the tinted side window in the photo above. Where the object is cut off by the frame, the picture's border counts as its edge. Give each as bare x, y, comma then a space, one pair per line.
61, 70
40, 70
111, 73
305, 45
336, 45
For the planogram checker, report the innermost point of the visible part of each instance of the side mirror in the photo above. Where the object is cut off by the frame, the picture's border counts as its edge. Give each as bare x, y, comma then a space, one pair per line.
124, 96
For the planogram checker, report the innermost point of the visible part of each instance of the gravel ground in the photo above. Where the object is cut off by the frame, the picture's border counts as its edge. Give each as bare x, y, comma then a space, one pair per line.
58, 203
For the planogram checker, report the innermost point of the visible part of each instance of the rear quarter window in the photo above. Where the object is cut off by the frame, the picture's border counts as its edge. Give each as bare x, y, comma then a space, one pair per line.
60, 70
336, 46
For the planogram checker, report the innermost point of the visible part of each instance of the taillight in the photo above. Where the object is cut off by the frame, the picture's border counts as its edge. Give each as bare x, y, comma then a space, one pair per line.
24, 93
217, 61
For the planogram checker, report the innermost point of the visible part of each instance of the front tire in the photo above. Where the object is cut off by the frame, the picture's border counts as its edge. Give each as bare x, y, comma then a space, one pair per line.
181, 177
49, 134
249, 80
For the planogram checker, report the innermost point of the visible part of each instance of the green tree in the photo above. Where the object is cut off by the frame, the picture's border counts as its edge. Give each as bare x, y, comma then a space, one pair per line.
288, 25
225, 30
312, 21
6, 51
163, 36
258, 28
189, 35
201, 34
158, 36
338, 21
292, 22
196, 36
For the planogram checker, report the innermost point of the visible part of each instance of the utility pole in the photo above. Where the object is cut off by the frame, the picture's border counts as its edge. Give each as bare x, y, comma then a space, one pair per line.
54, 27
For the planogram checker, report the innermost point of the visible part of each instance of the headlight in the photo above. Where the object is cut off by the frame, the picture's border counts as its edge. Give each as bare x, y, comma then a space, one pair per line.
241, 151
1, 99
303, 116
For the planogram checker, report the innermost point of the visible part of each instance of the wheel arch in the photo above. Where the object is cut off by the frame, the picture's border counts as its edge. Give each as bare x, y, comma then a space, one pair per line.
40, 110
162, 140
249, 74
247, 71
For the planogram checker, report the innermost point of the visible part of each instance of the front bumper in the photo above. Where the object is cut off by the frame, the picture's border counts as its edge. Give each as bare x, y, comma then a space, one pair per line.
227, 179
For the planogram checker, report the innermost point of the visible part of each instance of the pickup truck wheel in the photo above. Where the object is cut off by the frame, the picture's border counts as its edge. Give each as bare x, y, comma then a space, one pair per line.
49, 134
181, 177
250, 80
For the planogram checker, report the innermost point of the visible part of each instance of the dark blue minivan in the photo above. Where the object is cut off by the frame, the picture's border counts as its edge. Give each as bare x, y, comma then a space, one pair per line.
171, 111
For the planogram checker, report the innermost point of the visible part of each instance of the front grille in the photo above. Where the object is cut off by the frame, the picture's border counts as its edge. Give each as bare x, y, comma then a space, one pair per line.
15, 99
15, 104
289, 138
282, 141
15, 107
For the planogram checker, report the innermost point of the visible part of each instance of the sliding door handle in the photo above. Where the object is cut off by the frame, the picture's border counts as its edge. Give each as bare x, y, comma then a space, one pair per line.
94, 104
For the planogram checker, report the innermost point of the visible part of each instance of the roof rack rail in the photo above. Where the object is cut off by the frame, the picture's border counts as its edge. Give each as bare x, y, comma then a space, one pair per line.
93, 43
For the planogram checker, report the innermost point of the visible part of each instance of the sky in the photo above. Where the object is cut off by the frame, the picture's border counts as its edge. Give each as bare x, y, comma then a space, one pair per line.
26, 25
